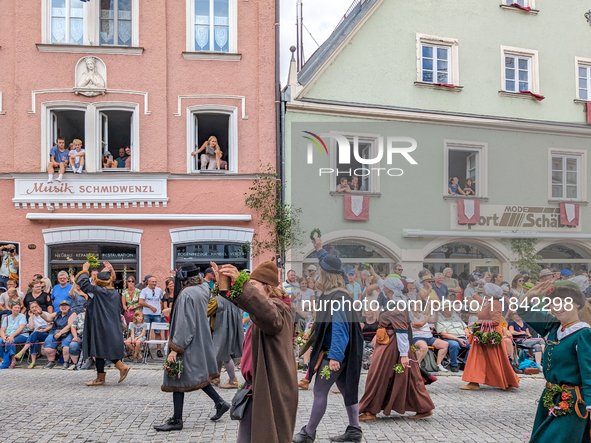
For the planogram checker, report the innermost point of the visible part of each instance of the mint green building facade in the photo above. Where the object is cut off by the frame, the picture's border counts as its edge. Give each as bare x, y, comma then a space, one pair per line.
485, 91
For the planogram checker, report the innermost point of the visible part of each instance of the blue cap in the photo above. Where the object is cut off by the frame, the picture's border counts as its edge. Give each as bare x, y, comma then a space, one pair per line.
524, 272
476, 273
351, 272
565, 273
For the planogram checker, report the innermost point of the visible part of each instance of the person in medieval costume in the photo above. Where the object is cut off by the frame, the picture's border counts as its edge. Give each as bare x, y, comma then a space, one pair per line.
488, 363
190, 341
337, 351
270, 380
228, 336
565, 404
386, 389
103, 331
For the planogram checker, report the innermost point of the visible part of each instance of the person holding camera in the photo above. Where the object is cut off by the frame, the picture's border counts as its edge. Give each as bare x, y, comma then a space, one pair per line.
10, 264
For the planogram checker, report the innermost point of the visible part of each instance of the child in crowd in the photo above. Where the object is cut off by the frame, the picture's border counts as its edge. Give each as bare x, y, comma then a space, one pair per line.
137, 336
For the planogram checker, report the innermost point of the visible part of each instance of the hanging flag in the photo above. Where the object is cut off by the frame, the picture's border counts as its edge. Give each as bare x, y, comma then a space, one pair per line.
588, 112
356, 207
569, 214
468, 211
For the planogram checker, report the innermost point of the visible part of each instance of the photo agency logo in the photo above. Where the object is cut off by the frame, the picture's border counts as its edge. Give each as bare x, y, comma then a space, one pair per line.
367, 166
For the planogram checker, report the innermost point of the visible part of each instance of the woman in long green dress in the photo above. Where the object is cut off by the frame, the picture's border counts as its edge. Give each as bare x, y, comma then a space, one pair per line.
563, 411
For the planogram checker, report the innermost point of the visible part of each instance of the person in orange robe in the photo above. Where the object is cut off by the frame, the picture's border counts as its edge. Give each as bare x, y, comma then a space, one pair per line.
489, 365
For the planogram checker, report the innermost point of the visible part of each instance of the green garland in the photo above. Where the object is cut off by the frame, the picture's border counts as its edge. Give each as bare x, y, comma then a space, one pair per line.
236, 290
565, 399
413, 348
399, 369
92, 261
173, 370
315, 231
488, 338
215, 291
365, 266
325, 373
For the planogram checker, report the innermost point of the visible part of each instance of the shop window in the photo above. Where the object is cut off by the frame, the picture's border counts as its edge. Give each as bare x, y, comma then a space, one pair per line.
210, 127
466, 163
201, 254
212, 25
565, 256
354, 254
462, 251
567, 175
71, 257
96, 22
110, 147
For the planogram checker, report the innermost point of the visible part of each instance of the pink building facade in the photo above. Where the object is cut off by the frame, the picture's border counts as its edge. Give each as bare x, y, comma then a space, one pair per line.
159, 78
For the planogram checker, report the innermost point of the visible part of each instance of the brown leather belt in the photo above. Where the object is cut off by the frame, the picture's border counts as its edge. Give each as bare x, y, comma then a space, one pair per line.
551, 385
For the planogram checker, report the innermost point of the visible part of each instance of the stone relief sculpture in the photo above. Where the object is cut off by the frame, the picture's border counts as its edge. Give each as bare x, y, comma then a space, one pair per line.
89, 80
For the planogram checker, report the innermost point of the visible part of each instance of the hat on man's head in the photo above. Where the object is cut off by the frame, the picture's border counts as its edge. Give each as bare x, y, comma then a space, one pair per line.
427, 277
190, 270
476, 273
267, 272
566, 273
546, 273
147, 277
410, 280
566, 284
209, 271
65, 302
524, 272
103, 279
351, 272
332, 264
312, 268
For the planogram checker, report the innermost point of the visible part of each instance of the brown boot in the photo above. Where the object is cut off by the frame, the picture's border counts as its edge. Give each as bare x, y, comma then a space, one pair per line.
98, 381
421, 416
304, 384
123, 370
367, 416
216, 381
230, 385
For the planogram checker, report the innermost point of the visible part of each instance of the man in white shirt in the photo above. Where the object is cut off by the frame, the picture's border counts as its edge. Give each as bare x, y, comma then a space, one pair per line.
453, 330
151, 303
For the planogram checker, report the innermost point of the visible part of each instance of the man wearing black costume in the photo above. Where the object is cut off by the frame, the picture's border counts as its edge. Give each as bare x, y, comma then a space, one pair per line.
103, 332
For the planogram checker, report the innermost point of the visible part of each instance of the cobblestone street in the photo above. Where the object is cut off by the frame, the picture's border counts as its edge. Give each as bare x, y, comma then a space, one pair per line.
54, 405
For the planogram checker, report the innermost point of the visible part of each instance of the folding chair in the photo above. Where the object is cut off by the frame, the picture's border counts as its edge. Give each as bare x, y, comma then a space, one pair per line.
153, 327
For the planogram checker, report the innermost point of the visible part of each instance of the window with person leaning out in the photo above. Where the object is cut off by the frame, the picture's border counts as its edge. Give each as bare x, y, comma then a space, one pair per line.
121, 162
211, 155
347, 185
60, 158
454, 187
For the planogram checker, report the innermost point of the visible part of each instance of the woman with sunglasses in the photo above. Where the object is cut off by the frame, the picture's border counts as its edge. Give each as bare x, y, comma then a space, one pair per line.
130, 298
517, 285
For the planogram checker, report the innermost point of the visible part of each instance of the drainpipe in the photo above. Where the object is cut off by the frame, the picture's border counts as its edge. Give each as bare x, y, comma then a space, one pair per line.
278, 109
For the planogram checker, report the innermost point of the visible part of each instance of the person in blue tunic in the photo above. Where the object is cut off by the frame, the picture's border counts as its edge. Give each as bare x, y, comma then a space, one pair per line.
564, 408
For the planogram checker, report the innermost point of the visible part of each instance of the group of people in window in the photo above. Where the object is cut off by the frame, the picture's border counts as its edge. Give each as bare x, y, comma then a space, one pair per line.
123, 161
454, 187
212, 155
346, 184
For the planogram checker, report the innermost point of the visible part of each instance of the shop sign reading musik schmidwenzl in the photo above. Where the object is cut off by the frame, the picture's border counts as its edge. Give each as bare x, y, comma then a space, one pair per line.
512, 218
91, 190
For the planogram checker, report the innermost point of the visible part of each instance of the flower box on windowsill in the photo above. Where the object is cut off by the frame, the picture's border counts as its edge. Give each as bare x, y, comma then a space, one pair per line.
213, 55
456, 197
443, 87
518, 95
519, 9
87, 49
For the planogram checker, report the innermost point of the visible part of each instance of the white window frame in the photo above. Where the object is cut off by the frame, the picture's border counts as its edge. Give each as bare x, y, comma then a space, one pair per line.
581, 62
374, 140
453, 60
232, 159
233, 28
526, 3
481, 148
91, 127
91, 24
534, 71
581, 157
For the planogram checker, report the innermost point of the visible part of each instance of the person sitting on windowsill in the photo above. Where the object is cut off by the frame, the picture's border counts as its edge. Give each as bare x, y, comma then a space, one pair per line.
355, 186
454, 188
77, 156
469, 187
343, 185
211, 158
108, 161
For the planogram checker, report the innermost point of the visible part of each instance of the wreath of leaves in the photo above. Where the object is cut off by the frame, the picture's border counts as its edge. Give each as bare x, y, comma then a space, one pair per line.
173, 370
236, 290
325, 373
315, 231
92, 261
488, 338
399, 369
563, 396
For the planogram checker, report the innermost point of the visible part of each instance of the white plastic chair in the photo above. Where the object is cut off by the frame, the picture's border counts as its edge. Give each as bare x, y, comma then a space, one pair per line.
153, 327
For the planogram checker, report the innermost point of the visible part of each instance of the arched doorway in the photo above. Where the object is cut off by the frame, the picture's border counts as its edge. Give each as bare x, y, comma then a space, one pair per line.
565, 256
354, 252
464, 258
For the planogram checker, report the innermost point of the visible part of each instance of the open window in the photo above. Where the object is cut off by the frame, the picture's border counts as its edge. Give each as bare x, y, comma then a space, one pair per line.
213, 140
116, 140
69, 125
465, 162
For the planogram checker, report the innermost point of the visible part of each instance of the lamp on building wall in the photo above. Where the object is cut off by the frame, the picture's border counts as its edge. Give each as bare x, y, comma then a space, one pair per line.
588, 17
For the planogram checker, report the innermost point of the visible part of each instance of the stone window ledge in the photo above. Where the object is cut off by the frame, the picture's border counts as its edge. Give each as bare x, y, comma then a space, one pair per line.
516, 9
440, 87
212, 55
87, 49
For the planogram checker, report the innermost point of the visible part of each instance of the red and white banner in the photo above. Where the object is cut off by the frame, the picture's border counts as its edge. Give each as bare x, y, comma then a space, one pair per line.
468, 211
356, 207
569, 214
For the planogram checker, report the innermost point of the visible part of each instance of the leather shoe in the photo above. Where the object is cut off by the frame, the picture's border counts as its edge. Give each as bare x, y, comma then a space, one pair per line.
304, 437
351, 434
220, 409
453, 368
172, 424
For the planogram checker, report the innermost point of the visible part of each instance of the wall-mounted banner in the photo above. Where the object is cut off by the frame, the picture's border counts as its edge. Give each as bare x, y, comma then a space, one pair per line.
515, 218
90, 189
